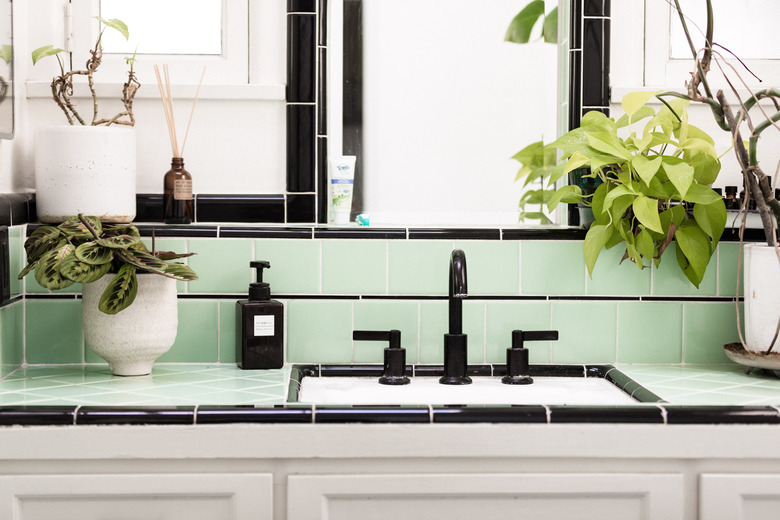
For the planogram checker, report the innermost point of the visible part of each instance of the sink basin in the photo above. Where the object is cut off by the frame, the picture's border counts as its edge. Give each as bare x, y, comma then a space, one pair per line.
354, 386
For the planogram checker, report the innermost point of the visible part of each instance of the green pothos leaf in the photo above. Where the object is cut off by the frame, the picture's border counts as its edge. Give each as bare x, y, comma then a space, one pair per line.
42, 52
47, 271
94, 254
594, 242
82, 272
519, 30
120, 292
117, 24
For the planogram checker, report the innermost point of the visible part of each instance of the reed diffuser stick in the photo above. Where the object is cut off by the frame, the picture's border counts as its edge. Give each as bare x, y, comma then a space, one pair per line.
167, 110
197, 93
170, 104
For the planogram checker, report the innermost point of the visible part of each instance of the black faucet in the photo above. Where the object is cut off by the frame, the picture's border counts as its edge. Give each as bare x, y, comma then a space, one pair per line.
455, 342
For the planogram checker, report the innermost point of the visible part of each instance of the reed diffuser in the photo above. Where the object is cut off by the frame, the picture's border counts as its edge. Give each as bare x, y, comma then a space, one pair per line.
178, 207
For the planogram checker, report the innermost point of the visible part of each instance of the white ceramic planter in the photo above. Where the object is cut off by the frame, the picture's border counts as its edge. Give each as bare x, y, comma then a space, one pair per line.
762, 297
134, 338
85, 169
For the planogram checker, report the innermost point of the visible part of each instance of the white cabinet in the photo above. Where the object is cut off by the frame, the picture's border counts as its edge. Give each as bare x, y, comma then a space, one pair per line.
469, 496
739, 497
130, 497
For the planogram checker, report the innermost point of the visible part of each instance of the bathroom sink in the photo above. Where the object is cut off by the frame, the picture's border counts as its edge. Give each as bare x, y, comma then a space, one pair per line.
577, 385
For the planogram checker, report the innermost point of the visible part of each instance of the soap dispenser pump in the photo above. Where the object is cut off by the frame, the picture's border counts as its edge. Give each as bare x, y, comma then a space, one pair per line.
259, 326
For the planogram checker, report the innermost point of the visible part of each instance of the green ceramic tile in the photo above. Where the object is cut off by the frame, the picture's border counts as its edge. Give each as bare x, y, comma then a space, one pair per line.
728, 257
419, 266
11, 348
650, 332
709, 326
354, 266
17, 257
53, 331
386, 315
31, 285
586, 331
170, 244
613, 277
493, 266
196, 339
319, 331
227, 331
505, 316
222, 266
669, 280
434, 323
552, 267
295, 265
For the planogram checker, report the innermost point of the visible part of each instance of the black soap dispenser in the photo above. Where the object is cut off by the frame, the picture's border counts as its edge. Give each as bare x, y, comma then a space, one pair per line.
259, 326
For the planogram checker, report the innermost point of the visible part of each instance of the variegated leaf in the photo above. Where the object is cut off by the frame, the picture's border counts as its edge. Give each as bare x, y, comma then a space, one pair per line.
75, 228
120, 292
145, 261
180, 272
27, 270
122, 229
41, 240
47, 272
118, 242
170, 255
78, 271
93, 253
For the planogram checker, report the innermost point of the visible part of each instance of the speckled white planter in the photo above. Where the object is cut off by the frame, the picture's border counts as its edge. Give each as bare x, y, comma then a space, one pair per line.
762, 297
85, 169
134, 338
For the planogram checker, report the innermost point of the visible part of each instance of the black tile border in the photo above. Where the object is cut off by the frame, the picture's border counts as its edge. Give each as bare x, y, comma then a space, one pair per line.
490, 414
287, 414
125, 415
37, 415
606, 414
677, 414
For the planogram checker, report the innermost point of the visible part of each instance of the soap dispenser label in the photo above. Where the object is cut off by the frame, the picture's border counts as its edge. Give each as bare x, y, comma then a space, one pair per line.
264, 325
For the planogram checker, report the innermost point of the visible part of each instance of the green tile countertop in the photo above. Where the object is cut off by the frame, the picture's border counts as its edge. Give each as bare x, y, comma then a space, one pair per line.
196, 384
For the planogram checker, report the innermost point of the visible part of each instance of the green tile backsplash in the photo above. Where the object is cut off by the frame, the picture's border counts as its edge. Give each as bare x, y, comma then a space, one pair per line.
333, 286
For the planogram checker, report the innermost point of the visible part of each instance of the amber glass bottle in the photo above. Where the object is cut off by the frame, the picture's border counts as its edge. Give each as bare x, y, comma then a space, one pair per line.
177, 194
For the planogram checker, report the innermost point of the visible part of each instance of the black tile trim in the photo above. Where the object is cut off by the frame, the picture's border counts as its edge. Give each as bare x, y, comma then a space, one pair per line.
240, 208
721, 415
37, 415
631, 387
301, 414
301, 6
52, 296
454, 234
491, 414
371, 414
301, 56
360, 232
174, 231
116, 415
543, 234
596, 298
606, 414
280, 232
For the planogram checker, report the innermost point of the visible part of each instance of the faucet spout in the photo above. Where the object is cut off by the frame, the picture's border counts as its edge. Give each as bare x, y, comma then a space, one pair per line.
458, 290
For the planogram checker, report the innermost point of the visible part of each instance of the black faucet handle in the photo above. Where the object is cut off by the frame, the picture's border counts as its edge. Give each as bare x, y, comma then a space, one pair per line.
520, 336
395, 356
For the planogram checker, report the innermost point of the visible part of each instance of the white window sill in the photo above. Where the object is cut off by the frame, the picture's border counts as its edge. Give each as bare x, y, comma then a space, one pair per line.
149, 90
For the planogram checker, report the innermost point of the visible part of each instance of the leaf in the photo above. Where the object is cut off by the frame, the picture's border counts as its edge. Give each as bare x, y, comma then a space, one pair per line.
711, 219
640, 114
705, 168
645, 244
118, 242
142, 260
556, 174
120, 292
577, 160
646, 211
94, 254
550, 27
634, 101
47, 271
7, 53
699, 194
608, 144
185, 272
519, 30
122, 229
694, 244
614, 193
44, 238
594, 242
646, 168
117, 24
74, 227
82, 272
570, 194
679, 172
42, 52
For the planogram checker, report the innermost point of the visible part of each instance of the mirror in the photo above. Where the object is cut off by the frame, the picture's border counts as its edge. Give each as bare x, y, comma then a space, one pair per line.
444, 104
6, 70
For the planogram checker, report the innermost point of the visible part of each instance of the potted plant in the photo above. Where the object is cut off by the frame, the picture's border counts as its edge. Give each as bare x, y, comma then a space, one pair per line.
129, 308
87, 166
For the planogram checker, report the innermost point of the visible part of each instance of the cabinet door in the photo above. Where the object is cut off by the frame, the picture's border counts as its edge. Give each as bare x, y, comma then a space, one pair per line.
470, 496
739, 497
133, 497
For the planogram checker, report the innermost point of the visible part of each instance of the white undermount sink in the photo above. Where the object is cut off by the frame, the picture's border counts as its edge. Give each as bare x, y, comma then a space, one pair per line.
483, 390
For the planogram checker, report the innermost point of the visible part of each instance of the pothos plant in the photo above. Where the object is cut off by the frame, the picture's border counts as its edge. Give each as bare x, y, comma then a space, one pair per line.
655, 183
84, 249
62, 85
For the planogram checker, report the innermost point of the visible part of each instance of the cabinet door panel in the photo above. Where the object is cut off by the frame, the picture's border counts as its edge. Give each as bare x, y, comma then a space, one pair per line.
456, 497
132, 497
739, 497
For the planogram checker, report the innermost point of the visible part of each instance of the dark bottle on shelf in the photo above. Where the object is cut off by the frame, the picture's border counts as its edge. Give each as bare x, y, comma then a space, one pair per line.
177, 194
259, 326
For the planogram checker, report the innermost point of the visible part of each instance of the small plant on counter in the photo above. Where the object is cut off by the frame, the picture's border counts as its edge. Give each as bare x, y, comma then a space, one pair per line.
62, 85
83, 250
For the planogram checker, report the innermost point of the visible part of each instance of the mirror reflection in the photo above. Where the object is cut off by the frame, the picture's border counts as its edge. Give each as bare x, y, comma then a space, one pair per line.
6, 70
446, 103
